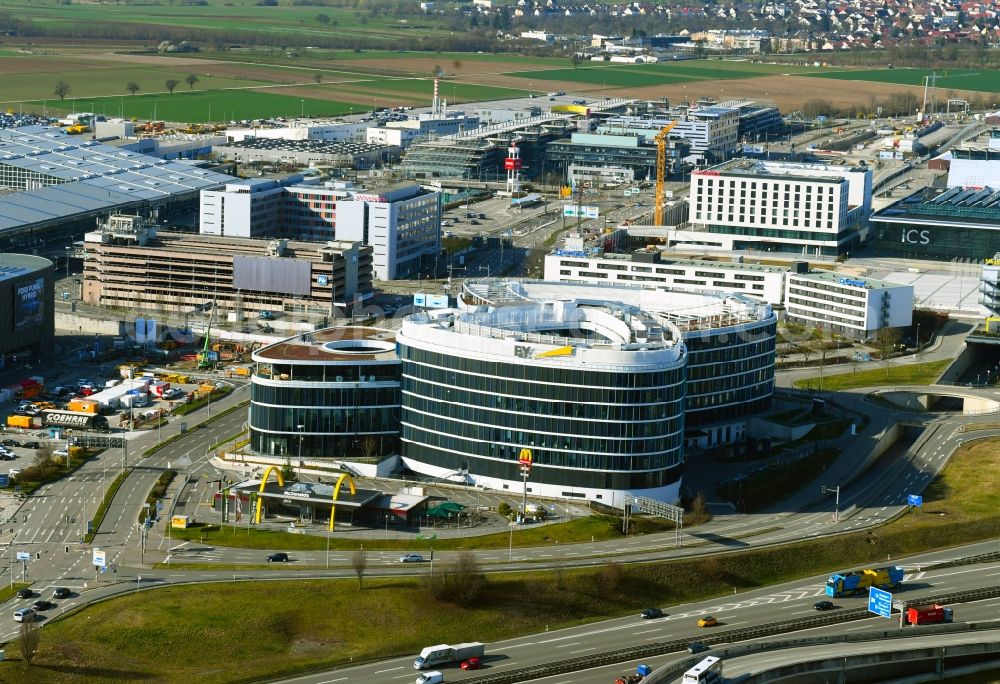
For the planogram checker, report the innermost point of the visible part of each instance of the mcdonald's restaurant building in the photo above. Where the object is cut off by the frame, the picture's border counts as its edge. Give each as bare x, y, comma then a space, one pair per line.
312, 502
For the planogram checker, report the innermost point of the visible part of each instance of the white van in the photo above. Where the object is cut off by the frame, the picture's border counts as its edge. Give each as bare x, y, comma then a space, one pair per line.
430, 678
24, 615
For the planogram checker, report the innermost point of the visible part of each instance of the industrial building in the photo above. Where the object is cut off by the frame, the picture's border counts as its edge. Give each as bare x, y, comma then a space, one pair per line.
27, 308
847, 305
66, 182
713, 130
940, 225
401, 222
607, 158
332, 393
129, 264
480, 154
806, 209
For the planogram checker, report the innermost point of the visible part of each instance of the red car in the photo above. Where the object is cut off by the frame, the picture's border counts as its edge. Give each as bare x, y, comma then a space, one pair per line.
472, 664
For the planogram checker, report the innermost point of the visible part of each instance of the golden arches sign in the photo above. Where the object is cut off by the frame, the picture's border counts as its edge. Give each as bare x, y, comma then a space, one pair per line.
336, 494
263, 483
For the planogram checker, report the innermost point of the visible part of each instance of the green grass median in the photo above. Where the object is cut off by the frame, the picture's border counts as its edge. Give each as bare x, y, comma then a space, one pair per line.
248, 631
911, 374
597, 528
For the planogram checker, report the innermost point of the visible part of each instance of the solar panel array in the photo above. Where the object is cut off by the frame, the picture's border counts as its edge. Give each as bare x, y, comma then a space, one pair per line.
90, 176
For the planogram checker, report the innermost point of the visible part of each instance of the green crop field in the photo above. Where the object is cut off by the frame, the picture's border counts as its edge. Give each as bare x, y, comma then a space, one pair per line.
984, 80
92, 81
250, 18
202, 106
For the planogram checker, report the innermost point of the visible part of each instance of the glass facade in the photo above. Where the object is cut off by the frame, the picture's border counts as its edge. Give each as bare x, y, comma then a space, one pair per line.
345, 410
620, 429
730, 372
944, 241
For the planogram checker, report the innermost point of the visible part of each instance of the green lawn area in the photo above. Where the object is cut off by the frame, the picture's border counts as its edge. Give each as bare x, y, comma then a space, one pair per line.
167, 635
205, 106
107, 79
571, 532
984, 80
911, 374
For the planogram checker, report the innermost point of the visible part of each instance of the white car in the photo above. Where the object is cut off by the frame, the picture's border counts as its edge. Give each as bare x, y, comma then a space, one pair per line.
411, 558
61, 453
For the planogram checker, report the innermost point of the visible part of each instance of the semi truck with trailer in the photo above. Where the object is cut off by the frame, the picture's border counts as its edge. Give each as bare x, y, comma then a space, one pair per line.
444, 653
855, 582
928, 614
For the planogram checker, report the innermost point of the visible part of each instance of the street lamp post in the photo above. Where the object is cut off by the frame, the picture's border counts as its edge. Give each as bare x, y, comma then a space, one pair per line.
836, 506
387, 526
300, 427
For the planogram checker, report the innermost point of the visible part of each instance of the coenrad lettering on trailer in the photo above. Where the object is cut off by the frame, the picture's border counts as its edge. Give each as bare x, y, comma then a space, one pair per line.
917, 237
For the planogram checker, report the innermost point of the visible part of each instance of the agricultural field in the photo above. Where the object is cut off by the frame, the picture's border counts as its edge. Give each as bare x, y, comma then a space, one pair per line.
641, 75
223, 15
986, 81
200, 106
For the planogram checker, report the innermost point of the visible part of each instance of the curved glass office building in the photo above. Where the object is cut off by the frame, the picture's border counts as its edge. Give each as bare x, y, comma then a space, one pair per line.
332, 393
730, 340
594, 389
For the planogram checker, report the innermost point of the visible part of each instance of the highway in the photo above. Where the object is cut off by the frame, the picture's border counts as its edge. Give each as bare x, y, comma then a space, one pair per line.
768, 605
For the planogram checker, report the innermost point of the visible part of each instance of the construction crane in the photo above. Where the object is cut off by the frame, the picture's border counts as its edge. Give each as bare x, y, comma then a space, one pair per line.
206, 357
661, 172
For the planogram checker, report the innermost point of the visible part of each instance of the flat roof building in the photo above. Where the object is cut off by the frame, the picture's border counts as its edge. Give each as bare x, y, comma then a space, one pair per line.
131, 265
343, 154
940, 225
847, 305
808, 209
65, 182
401, 222
651, 269
329, 393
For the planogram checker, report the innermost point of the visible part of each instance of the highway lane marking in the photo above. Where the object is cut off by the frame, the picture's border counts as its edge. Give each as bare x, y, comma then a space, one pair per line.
330, 681
584, 650
648, 631
391, 669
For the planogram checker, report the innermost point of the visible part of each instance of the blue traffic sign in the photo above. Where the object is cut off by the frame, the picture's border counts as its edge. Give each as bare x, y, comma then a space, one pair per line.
879, 602
914, 500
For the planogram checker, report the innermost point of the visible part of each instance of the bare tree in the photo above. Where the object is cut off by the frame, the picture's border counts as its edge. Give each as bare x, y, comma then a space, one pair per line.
29, 637
461, 581
318, 77
359, 562
886, 340
171, 84
191, 79
62, 89
368, 445
132, 87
